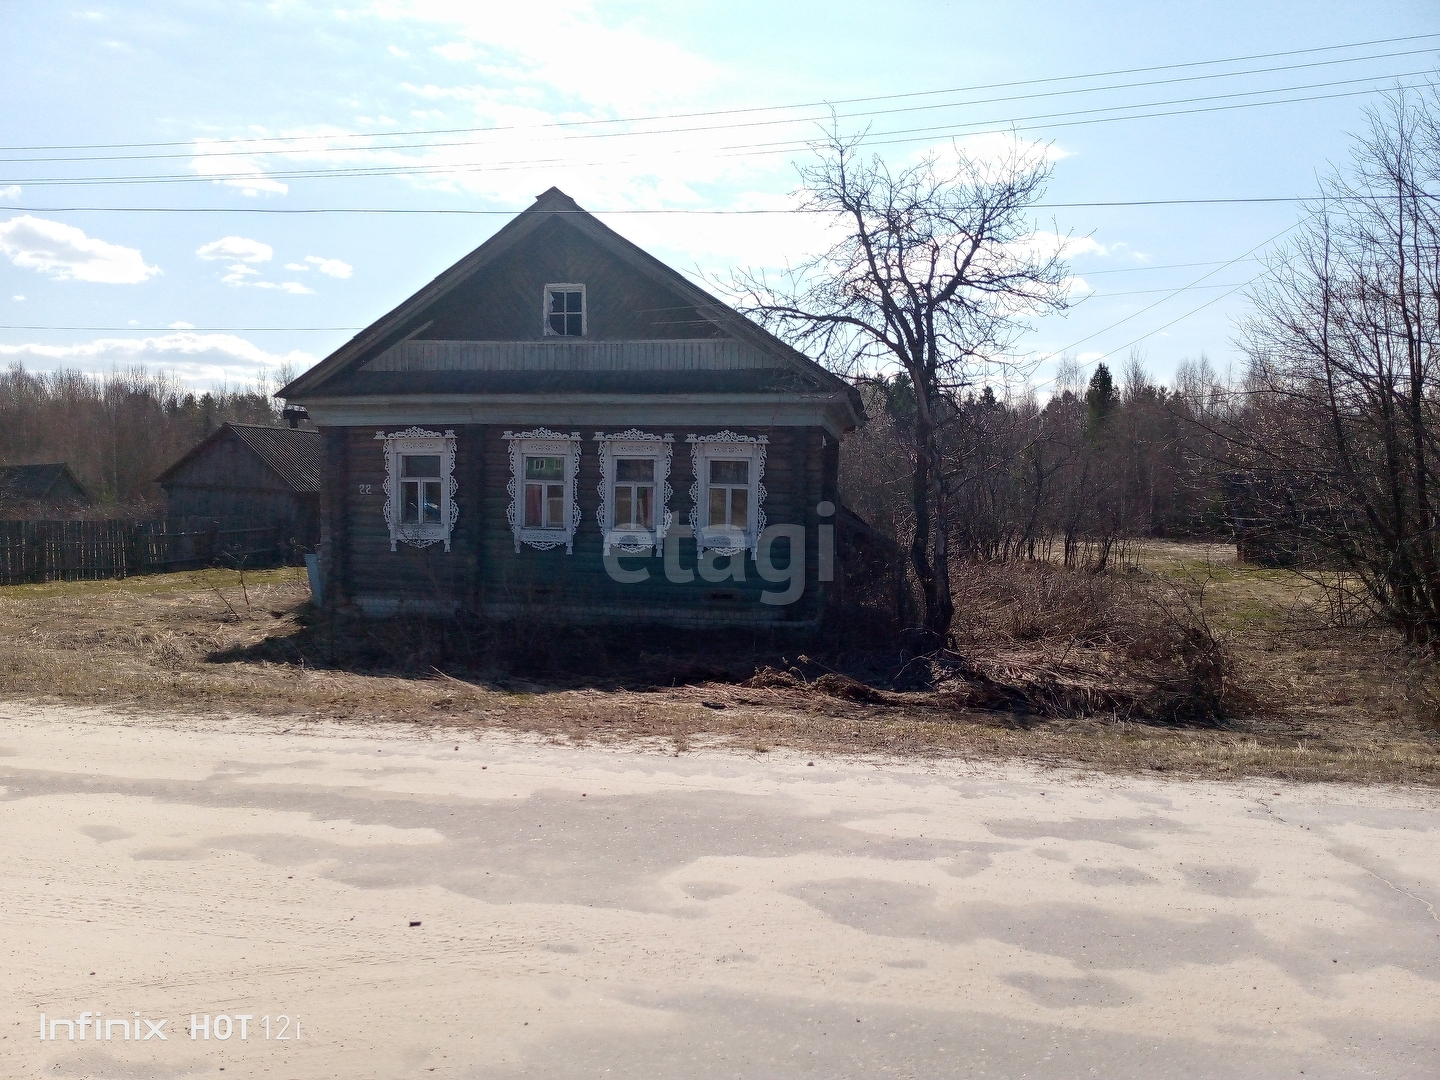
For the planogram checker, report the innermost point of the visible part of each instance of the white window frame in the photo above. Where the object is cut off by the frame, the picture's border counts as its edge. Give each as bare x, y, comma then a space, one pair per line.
635, 443
545, 308
727, 446
542, 442
418, 441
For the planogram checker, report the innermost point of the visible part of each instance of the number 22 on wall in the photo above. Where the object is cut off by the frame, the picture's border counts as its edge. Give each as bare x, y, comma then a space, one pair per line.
364, 489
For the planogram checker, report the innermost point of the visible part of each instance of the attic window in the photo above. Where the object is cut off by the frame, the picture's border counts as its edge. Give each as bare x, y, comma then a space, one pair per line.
565, 310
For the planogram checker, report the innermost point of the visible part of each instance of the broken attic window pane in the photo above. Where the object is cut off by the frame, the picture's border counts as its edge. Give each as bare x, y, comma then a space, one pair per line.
567, 312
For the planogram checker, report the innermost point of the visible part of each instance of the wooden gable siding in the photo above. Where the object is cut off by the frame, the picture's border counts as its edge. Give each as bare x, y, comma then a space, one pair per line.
228, 463
483, 573
504, 301
228, 480
695, 354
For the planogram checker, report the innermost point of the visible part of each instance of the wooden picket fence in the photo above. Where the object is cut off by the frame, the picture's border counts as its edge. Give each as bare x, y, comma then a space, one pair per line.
34, 551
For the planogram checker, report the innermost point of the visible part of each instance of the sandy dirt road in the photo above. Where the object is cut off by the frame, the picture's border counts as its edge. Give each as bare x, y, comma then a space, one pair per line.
597, 912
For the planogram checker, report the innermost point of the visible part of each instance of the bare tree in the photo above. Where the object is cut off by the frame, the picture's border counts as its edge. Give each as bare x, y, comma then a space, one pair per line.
1337, 442
932, 276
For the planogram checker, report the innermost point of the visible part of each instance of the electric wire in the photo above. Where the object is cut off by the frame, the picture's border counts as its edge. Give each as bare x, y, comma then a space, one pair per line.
760, 108
248, 148
886, 138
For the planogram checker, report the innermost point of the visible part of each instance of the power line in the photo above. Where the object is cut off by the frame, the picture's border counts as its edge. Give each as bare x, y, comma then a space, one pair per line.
753, 109
1148, 292
1172, 295
1138, 269
734, 150
467, 212
248, 148
1165, 326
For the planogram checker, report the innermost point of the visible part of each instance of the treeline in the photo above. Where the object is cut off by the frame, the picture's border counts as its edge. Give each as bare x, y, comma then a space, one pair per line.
117, 432
1070, 477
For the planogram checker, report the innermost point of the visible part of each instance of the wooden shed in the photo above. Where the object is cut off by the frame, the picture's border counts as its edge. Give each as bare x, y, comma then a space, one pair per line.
561, 424
265, 477
40, 488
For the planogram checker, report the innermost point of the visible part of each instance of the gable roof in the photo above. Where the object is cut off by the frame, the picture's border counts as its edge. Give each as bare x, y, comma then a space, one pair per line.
409, 317
37, 483
295, 455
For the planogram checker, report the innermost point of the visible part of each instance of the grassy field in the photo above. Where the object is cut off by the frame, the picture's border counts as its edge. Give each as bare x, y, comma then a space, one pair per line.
1310, 703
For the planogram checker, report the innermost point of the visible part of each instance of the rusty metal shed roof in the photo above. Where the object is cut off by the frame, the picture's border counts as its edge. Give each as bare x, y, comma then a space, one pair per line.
297, 456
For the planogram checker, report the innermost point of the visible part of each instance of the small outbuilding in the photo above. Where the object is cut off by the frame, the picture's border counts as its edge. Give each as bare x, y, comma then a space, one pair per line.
263, 477
43, 488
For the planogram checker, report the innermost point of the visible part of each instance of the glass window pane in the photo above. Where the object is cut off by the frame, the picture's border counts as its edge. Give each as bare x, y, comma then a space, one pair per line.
432, 501
572, 326
645, 507
557, 301
421, 465
555, 506
534, 499
740, 507
717, 507
632, 469
410, 503
729, 472
557, 324
624, 506
573, 301
544, 468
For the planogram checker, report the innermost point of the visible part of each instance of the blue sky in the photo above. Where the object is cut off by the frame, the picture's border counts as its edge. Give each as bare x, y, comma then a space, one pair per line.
242, 94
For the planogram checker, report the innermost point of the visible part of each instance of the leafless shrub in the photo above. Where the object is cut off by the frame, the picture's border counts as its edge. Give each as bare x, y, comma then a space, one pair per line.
1188, 662
1005, 603
1059, 641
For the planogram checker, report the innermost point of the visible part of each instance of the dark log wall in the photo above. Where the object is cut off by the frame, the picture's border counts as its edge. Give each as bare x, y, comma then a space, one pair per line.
504, 302
482, 572
230, 482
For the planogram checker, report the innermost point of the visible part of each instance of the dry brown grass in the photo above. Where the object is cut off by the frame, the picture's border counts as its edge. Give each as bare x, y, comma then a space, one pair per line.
1327, 706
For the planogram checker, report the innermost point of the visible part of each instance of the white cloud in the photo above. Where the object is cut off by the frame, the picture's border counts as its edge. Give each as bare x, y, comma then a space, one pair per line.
236, 247
301, 267
395, 50
10, 191
455, 50
65, 253
294, 288
330, 267
196, 358
238, 273
231, 165
182, 326
585, 54
17, 296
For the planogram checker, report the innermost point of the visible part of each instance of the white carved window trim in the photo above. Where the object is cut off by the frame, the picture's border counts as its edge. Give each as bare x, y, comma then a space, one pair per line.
417, 440
727, 446
546, 329
635, 444
547, 443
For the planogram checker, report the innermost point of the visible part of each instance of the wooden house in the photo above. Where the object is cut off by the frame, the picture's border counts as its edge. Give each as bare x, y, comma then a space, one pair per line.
561, 424
265, 479
40, 489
